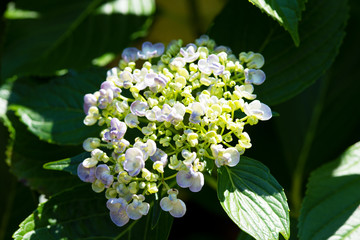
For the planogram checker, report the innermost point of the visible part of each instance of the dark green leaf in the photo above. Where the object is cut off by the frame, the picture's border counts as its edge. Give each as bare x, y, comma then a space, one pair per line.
68, 164
289, 69
254, 200
69, 34
54, 111
28, 154
316, 111
244, 236
79, 213
287, 13
331, 205
5, 92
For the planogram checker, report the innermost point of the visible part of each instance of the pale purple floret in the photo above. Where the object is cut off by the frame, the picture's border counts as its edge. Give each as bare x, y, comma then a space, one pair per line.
222, 48
172, 204
134, 161
150, 50
257, 109
189, 53
202, 40
148, 81
191, 179
86, 174
130, 54
102, 173
211, 65
254, 76
89, 101
137, 208
197, 111
117, 207
107, 85
229, 156
113, 72
159, 155
161, 80
148, 148
107, 92
176, 114
163, 115
116, 132
139, 108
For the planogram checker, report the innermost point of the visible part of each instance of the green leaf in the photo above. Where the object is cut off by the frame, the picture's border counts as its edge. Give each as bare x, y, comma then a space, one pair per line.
44, 36
79, 213
244, 236
289, 69
27, 156
331, 205
68, 164
54, 111
254, 200
286, 13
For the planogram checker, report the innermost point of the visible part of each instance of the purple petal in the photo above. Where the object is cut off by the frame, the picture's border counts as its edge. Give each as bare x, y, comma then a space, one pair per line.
159, 155
89, 100
102, 173
184, 178
86, 174
253, 76
130, 54
120, 218
197, 183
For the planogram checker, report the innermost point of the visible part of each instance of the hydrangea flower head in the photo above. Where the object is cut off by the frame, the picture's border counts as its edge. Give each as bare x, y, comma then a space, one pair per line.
171, 118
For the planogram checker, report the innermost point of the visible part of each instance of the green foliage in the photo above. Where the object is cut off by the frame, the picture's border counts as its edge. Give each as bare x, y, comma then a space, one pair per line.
53, 111
254, 200
289, 69
79, 213
331, 204
89, 29
287, 13
27, 164
41, 110
68, 164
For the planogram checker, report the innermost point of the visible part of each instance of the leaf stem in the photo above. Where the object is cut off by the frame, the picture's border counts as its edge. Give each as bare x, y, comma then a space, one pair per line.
211, 181
298, 175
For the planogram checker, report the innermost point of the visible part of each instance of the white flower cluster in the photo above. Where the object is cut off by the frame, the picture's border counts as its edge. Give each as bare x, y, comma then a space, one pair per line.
170, 119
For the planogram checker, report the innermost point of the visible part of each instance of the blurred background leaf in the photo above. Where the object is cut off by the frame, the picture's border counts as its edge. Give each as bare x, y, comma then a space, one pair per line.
331, 205
289, 69
43, 37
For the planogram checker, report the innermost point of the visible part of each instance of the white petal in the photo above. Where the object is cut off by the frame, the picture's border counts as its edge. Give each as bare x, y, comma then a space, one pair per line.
234, 156
197, 183
166, 204
179, 209
132, 212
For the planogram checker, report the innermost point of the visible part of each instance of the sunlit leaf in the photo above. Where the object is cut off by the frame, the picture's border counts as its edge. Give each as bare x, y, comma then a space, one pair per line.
254, 200
54, 112
286, 13
331, 206
68, 164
